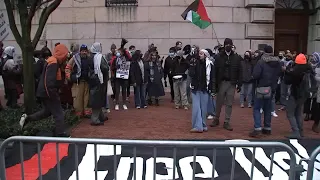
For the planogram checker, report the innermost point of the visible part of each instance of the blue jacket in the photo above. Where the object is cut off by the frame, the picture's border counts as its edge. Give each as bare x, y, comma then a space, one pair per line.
267, 71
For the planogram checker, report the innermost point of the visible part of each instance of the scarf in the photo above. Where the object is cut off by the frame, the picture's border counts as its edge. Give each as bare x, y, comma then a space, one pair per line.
153, 65
208, 69
96, 50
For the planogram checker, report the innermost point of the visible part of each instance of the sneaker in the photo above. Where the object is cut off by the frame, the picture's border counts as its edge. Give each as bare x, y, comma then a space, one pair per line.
195, 131
215, 123
261, 111
282, 108
177, 107
23, 120
294, 135
242, 105
97, 123
116, 107
266, 132
249, 106
138, 107
108, 110
210, 117
255, 134
186, 108
145, 107
274, 114
125, 107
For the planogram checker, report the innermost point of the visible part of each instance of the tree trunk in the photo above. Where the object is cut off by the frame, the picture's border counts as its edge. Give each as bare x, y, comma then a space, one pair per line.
28, 78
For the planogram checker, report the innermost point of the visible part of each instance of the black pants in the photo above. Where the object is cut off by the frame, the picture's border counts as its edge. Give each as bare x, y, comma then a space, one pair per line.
50, 106
128, 91
171, 88
12, 98
123, 84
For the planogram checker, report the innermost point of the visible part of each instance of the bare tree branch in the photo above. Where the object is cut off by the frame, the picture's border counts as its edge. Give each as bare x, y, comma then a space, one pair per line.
43, 20
32, 11
12, 22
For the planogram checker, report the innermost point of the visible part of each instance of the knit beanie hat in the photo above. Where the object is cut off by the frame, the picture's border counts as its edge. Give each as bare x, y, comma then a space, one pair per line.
228, 41
301, 59
83, 47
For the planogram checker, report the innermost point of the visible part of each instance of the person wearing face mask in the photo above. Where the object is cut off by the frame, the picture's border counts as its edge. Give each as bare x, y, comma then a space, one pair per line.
284, 88
47, 91
167, 70
77, 73
246, 90
121, 67
228, 76
202, 74
179, 70
154, 87
146, 55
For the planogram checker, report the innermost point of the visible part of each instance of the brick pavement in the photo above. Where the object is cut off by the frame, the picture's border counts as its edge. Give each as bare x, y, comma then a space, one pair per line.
165, 122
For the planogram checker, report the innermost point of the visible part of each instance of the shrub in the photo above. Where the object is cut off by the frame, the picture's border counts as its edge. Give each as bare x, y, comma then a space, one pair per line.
9, 123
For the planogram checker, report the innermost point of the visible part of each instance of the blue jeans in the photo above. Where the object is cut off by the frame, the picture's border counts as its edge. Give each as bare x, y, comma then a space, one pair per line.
265, 104
140, 95
211, 106
246, 92
199, 110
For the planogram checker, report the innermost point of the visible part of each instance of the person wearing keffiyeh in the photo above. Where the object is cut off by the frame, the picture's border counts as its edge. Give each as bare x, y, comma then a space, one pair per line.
155, 87
315, 63
98, 78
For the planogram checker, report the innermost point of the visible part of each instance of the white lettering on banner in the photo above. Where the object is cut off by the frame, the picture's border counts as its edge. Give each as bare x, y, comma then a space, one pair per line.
304, 154
277, 172
123, 71
4, 31
206, 165
125, 165
169, 167
86, 167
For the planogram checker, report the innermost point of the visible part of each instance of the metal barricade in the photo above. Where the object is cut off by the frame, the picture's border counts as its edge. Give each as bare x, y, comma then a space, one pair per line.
311, 162
195, 145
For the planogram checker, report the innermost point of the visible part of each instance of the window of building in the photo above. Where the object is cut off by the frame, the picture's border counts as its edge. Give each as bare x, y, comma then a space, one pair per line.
121, 3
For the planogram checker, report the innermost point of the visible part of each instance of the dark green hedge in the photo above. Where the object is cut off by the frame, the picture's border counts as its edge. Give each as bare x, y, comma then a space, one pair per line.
9, 123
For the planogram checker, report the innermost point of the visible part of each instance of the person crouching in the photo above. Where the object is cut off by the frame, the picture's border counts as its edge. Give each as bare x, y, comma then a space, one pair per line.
202, 73
47, 91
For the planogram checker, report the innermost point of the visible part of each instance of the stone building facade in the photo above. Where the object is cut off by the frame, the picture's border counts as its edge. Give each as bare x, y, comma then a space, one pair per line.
247, 22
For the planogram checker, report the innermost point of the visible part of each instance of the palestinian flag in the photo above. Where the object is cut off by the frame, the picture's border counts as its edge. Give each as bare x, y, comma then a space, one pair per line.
197, 14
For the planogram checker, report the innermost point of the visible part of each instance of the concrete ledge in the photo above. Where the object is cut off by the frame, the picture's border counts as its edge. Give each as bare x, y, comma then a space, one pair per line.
259, 31
259, 3
262, 15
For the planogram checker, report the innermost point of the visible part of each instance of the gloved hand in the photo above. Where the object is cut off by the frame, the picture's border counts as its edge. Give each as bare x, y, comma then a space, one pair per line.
165, 84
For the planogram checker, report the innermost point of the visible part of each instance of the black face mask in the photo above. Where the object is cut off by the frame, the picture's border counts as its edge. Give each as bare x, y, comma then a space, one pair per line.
280, 57
247, 57
228, 48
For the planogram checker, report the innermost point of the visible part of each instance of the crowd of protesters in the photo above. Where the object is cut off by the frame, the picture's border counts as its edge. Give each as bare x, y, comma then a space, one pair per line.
86, 80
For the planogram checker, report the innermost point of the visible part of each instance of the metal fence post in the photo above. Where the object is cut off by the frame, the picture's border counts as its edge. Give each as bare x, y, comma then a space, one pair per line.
312, 160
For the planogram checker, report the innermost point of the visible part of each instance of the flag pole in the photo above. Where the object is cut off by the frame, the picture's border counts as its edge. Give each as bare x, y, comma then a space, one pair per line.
215, 34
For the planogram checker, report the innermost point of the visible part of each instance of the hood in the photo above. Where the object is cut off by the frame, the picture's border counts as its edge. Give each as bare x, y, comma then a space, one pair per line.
271, 60
60, 52
8, 52
96, 48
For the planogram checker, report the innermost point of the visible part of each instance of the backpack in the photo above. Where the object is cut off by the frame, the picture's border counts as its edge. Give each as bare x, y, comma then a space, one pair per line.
308, 85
